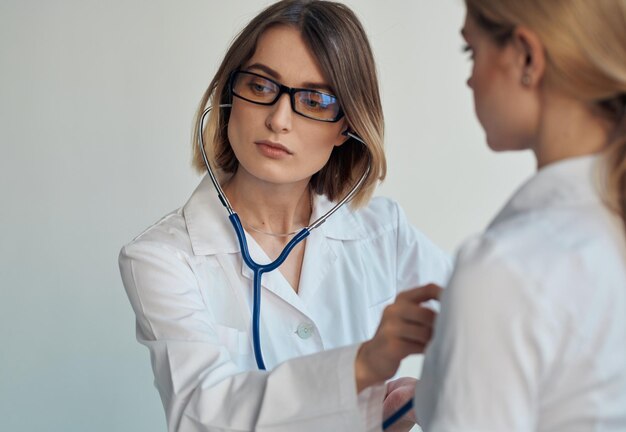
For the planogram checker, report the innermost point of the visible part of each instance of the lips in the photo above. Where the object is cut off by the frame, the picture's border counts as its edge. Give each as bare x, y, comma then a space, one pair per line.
273, 146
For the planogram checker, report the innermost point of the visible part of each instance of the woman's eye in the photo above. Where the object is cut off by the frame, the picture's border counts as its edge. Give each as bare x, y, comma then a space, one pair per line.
311, 103
259, 87
317, 101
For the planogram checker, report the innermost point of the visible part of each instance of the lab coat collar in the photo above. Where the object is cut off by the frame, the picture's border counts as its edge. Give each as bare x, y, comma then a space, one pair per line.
572, 181
342, 225
209, 227
211, 232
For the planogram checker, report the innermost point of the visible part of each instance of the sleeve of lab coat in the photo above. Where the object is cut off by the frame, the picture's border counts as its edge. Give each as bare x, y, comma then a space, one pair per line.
494, 343
199, 384
419, 260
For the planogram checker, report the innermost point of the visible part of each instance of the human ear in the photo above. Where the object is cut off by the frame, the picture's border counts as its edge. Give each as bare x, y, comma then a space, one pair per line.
531, 57
344, 134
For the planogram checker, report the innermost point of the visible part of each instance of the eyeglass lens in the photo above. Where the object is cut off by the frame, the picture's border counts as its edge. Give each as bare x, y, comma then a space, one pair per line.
309, 103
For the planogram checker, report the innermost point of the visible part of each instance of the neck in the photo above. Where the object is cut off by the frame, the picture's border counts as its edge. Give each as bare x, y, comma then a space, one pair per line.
269, 207
568, 128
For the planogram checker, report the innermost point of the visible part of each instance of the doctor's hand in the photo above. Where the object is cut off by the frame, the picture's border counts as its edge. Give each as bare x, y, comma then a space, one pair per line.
405, 328
399, 392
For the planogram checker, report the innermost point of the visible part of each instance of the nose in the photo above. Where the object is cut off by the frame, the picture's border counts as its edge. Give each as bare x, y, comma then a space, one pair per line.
279, 118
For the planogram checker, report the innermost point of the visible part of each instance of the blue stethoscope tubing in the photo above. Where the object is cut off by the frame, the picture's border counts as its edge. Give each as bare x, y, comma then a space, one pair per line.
259, 269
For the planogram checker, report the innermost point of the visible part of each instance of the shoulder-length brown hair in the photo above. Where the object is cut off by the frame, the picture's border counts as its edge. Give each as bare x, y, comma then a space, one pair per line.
336, 38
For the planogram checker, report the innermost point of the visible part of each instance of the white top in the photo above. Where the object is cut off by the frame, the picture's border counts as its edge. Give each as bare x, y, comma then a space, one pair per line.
192, 296
532, 330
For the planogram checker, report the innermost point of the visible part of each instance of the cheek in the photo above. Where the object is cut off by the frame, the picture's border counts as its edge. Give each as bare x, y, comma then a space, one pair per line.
481, 79
318, 137
316, 146
241, 121
489, 92
490, 105
481, 96
316, 154
507, 119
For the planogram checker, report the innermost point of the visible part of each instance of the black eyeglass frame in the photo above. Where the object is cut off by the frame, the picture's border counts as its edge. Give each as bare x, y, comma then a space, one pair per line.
291, 91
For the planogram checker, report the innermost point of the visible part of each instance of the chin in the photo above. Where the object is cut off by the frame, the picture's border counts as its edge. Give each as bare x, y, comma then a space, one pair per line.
496, 146
504, 144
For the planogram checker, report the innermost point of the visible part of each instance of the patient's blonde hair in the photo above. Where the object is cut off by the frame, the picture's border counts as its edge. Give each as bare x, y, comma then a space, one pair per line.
336, 38
585, 46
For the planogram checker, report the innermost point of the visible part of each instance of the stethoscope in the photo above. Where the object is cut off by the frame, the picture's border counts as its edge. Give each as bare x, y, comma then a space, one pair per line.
259, 269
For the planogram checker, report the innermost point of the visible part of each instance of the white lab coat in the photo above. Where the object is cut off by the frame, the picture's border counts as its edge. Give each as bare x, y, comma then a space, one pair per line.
192, 296
532, 330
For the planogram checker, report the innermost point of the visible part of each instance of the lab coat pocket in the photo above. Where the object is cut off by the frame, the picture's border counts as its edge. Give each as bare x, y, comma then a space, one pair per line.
381, 304
379, 287
375, 313
236, 341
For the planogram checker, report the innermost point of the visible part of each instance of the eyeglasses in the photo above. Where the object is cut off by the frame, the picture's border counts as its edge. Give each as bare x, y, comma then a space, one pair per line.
309, 103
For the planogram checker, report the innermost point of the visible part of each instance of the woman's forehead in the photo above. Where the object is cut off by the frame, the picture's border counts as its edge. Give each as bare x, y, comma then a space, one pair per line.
282, 53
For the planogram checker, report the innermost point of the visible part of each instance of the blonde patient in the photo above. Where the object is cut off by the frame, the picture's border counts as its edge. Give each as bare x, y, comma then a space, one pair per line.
532, 330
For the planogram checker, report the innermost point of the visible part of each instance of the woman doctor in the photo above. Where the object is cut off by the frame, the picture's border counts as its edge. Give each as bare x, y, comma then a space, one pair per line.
283, 160
532, 330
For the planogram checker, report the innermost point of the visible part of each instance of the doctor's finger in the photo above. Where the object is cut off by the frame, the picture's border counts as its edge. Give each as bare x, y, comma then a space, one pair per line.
421, 294
416, 313
419, 334
414, 333
401, 347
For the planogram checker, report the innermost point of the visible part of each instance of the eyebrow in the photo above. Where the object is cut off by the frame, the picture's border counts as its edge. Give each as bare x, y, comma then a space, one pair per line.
274, 74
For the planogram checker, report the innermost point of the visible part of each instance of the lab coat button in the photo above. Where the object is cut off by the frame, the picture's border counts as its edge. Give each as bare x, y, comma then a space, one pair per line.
305, 330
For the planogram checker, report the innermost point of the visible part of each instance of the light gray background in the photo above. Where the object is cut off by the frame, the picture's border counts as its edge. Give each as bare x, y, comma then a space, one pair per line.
96, 107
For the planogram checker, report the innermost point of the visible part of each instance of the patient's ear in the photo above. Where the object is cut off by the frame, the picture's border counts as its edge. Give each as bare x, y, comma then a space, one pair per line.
531, 57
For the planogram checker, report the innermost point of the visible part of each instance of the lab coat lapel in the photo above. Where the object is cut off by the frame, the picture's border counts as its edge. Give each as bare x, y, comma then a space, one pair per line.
318, 261
273, 281
211, 233
320, 253
209, 228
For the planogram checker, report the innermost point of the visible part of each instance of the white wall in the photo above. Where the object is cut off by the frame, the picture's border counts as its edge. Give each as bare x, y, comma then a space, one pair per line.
96, 106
